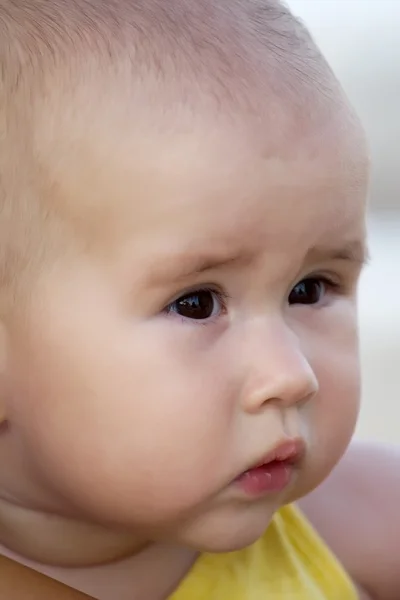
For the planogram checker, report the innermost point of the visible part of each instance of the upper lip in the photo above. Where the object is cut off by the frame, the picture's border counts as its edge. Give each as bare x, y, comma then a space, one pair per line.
289, 450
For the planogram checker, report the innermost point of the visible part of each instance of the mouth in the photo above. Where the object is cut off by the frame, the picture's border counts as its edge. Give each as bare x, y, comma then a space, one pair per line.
274, 472
289, 451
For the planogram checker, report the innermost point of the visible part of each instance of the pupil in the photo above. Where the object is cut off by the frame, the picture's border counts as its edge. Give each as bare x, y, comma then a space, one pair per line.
307, 291
199, 305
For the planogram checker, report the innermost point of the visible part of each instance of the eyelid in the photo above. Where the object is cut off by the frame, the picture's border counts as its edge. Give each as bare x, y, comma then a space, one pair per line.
212, 288
333, 279
328, 280
221, 297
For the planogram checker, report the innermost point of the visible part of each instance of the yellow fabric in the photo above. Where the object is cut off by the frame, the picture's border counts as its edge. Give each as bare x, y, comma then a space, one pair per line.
290, 562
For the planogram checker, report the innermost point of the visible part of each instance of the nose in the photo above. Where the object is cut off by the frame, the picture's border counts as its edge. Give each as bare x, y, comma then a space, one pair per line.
278, 371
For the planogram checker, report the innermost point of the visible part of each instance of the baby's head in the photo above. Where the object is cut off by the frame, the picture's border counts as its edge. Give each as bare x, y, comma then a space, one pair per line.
182, 230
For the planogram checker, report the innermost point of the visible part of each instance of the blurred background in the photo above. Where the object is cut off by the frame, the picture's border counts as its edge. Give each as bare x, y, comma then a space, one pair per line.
361, 40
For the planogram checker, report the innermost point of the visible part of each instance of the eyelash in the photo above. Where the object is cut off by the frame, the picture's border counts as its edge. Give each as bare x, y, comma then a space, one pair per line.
329, 282
223, 297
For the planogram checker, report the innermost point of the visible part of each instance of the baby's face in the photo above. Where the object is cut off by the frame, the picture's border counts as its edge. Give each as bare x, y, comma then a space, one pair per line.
211, 315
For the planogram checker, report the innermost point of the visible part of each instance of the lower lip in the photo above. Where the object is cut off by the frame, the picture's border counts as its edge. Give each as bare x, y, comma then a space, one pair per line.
267, 479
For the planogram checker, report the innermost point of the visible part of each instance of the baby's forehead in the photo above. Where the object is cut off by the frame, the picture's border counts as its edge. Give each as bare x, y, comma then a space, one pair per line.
99, 103
99, 70
212, 186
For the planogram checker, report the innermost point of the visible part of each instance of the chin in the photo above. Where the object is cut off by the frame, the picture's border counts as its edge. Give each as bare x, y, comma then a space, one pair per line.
228, 530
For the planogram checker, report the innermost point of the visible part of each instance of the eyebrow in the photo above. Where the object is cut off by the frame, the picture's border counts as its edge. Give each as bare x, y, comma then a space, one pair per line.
191, 264
354, 251
181, 266
201, 263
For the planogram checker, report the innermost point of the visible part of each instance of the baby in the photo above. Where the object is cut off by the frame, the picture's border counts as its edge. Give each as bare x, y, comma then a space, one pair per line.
182, 188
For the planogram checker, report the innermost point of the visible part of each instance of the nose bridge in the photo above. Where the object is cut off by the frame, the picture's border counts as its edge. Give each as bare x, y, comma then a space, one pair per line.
278, 369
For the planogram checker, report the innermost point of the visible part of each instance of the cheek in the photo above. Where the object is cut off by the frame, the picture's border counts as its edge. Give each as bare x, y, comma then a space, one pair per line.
123, 418
334, 413
337, 411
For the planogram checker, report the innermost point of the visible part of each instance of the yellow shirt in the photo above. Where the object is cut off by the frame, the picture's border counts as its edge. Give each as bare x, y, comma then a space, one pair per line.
290, 562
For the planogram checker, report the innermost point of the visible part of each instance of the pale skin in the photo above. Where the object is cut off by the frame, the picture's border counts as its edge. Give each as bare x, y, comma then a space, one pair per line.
133, 420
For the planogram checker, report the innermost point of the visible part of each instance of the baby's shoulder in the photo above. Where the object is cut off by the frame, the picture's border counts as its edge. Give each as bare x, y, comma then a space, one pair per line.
356, 511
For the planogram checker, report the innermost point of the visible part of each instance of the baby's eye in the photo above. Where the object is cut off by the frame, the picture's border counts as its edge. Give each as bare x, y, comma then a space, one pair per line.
308, 291
199, 305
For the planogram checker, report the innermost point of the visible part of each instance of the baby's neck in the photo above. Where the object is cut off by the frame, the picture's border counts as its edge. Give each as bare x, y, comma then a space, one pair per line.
104, 566
154, 573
